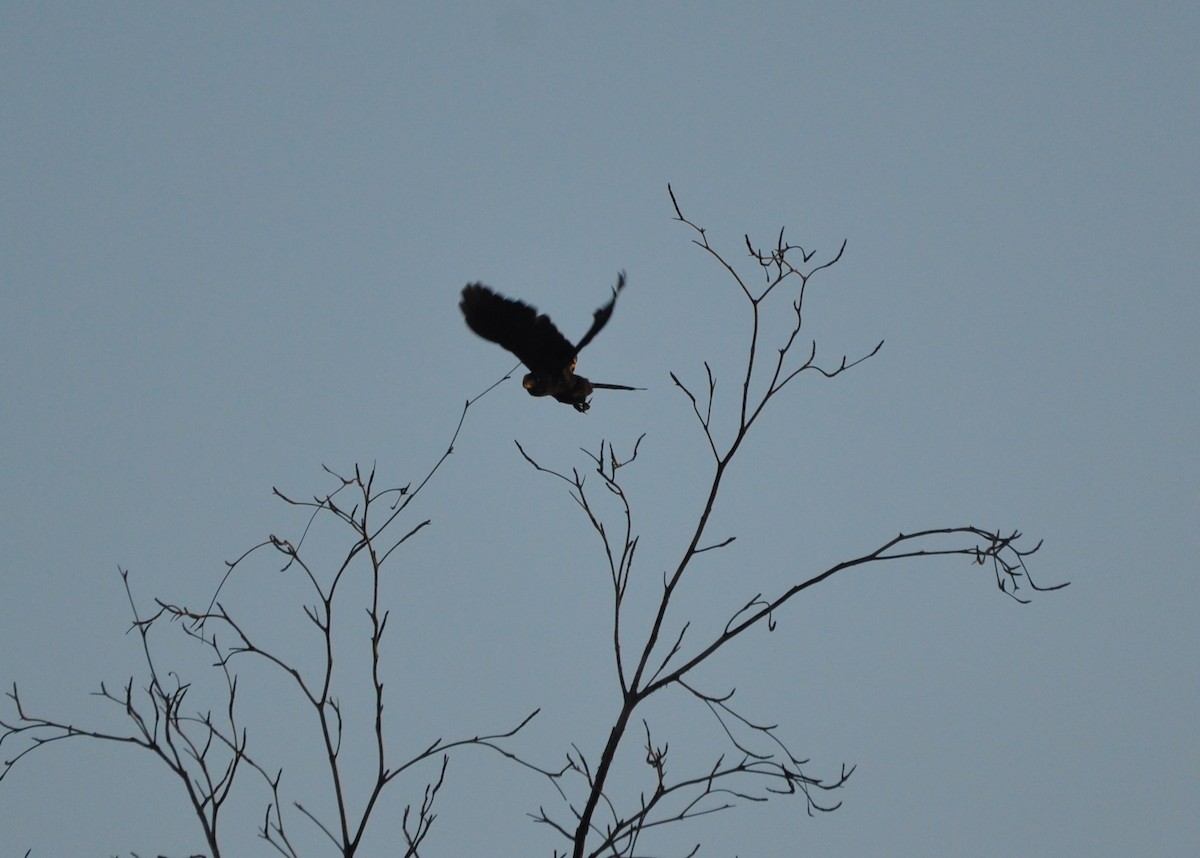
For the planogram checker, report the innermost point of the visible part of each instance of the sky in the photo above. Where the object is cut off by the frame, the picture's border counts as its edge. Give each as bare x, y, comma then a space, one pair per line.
232, 241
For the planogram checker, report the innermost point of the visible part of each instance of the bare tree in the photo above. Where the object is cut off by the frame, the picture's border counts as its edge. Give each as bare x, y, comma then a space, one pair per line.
600, 820
207, 750
655, 647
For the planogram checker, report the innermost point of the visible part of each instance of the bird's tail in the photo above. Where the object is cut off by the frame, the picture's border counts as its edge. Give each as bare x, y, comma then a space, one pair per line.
604, 386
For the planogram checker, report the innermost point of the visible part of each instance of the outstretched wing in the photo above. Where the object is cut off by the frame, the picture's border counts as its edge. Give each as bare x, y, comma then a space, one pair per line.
519, 328
600, 317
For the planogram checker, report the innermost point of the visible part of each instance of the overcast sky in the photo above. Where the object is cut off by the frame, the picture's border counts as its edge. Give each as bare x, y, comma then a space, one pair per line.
232, 243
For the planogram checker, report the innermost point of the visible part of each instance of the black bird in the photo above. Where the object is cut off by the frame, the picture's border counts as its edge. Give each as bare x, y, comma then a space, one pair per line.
532, 337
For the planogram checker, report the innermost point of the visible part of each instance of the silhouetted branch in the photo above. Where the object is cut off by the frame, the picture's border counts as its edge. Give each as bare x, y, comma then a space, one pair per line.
762, 765
187, 744
351, 824
206, 753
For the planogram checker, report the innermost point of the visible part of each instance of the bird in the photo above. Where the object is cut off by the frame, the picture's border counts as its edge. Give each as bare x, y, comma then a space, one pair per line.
533, 338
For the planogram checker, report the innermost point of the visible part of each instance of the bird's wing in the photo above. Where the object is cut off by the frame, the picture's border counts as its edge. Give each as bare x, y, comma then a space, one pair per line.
600, 317
517, 327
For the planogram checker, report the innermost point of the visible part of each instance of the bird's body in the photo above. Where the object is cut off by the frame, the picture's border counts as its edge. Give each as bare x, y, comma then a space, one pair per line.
533, 338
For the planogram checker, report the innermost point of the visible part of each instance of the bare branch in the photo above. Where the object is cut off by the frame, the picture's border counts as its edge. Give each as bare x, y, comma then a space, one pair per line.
205, 752
762, 765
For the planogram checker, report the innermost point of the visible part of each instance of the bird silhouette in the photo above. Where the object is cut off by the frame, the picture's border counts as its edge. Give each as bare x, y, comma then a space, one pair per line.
533, 338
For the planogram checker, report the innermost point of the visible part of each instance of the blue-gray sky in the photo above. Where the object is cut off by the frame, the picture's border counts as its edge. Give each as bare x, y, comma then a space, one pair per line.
232, 241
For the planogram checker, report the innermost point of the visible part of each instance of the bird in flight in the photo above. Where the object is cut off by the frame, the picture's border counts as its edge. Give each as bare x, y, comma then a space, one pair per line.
532, 337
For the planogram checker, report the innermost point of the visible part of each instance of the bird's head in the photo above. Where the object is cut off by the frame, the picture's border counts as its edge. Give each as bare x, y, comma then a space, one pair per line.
569, 388
535, 384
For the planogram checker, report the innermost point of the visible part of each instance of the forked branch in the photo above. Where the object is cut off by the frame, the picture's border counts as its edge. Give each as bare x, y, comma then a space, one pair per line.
205, 752
761, 764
